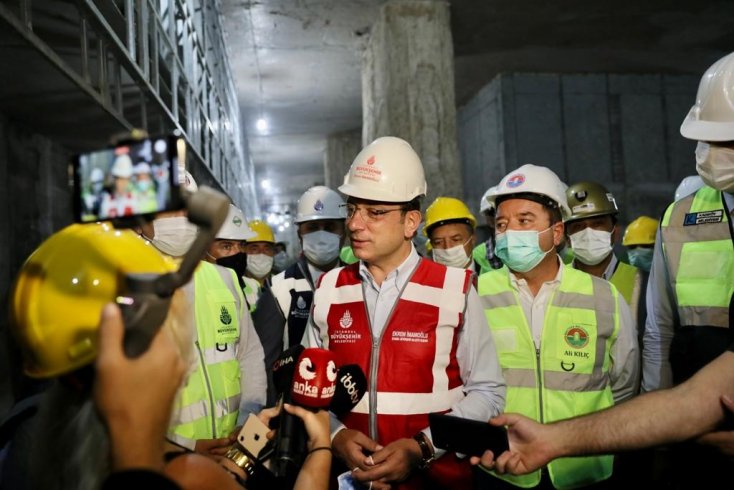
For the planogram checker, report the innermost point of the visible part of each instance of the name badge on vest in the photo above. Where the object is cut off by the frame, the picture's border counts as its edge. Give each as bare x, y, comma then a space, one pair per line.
703, 217
576, 350
227, 327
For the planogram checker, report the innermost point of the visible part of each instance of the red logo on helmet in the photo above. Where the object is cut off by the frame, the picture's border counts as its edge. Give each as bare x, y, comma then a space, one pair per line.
515, 181
371, 160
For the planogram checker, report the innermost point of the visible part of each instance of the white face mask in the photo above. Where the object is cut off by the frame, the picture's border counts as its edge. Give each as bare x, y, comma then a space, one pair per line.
591, 246
174, 236
715, 165
259, 265
452, 257
321, 247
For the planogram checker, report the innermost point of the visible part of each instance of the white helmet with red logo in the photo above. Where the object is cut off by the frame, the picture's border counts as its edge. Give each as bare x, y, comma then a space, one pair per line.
388, 170
532, 179
319, 202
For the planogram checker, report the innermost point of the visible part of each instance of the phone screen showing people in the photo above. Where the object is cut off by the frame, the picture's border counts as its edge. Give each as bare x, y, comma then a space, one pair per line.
135, 178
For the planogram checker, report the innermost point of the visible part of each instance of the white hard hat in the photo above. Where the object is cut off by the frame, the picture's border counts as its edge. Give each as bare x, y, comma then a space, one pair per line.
235, 226
485, 205
688, 186
141, 168
319, 202
97, 175
532, 179
712, 116
123, 166
186, 180
388, 169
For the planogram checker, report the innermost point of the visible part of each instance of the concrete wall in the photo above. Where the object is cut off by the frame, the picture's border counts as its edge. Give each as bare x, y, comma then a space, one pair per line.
620, 130
341, 148
35, 201
408, 87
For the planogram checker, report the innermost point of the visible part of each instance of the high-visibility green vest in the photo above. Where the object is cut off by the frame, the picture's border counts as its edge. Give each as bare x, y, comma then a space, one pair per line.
252, 292
697, 244
569, 374
479, 254
208, 405
625, 278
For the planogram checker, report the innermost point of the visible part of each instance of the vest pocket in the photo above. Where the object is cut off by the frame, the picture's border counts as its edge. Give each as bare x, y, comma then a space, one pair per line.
505, 339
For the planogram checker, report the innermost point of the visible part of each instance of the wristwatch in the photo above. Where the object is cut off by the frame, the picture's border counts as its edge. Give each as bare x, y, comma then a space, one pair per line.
427, 452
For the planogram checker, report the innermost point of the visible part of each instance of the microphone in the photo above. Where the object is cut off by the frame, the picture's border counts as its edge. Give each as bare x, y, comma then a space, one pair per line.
351, 385
283, 370
313, 383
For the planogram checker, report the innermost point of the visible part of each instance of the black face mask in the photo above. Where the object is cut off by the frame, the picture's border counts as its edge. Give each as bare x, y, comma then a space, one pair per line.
236, 262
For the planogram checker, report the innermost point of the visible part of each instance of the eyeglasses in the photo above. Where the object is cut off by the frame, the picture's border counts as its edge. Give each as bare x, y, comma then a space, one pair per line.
368, 214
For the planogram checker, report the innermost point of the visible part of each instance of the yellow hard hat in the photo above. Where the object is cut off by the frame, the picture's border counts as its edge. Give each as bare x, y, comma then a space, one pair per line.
62, 287
447, 209
641, 231
263, 232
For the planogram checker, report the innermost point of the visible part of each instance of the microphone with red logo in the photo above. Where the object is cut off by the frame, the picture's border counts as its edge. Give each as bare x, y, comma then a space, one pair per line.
312, 386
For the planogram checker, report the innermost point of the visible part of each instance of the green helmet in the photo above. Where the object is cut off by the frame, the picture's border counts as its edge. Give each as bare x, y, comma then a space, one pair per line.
589, 199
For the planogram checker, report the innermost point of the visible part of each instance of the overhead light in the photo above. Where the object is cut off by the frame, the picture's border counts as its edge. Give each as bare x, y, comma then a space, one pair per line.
265, 184
280, 228
262, 125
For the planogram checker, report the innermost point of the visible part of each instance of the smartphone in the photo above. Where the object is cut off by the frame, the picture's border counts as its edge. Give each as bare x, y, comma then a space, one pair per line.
253, 435
135, 178
465, 436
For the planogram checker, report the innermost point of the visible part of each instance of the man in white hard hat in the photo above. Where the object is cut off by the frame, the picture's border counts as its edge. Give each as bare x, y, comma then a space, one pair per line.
121, 200
566, 339
690, 288
145, 187
226, 250
283, 308
227, 377
415, 327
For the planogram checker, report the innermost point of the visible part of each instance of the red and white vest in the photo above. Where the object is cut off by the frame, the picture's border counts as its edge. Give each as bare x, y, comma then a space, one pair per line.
412, 370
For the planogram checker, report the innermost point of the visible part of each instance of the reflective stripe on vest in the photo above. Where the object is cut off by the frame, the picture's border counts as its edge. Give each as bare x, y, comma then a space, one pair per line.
581, 323
294, 295
426, 318
699, 254
412, 370
208, 405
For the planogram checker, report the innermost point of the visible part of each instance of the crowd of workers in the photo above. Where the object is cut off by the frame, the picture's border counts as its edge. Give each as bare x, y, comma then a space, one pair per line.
547, 320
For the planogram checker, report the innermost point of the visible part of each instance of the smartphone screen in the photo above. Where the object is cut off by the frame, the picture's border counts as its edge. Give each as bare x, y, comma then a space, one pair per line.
131, 179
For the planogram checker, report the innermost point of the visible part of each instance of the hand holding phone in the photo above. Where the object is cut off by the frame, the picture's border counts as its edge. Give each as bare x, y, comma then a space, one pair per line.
465, 436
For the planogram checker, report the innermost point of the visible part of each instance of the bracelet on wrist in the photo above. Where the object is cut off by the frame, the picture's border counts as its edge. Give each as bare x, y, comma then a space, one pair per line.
321, 448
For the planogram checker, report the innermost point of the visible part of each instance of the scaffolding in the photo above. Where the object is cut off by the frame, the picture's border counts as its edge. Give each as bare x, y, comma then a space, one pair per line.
156, 64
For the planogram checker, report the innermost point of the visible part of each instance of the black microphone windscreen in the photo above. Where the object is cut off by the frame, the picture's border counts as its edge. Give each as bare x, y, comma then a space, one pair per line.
284, 367
351, 385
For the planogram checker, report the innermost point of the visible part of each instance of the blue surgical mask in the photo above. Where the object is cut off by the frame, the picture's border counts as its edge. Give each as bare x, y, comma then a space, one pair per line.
641, 258
520, 250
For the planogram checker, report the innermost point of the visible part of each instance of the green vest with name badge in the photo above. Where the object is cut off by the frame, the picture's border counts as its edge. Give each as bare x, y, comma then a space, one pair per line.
699, 254
208, 405
569, 375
